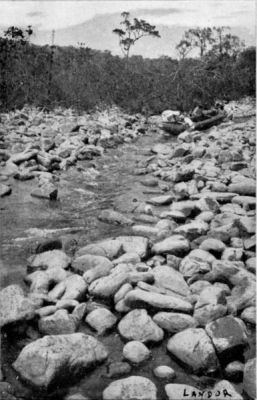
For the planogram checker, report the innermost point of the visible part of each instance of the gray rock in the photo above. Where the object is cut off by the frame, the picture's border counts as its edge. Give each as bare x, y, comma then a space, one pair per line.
247, 225
138, 297
14, 306
107, 286
175, 245
75, 288
170, 279
5, 190
101, 320
228, 335
161, 200
234, 371
174, 322
134, 244
136, 352
132, 258
118, 369
175, 391
250, 264
212, 244
246, 187
134, 387
107, 248
59, 323
249, 315
114, 217
232, 254
194, 348
224, 387
49, 259
249, 382
138, 325
193, 229
45, 361
122, 292
164, 372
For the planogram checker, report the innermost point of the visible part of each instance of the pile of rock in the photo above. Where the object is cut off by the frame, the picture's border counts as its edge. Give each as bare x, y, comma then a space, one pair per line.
186, 275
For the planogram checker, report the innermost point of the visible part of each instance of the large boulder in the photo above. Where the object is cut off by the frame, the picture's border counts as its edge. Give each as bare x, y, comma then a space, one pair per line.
138, 297
49, 259
177, 391
134, 244
132, 388
101, 320
107, 286
138, 325
194, 348
228, 335
171, 280
14, 306
45, 361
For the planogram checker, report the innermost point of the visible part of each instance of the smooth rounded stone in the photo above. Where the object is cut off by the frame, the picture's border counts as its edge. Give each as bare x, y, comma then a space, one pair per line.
227, 271
228, 335
226, 390
176, 391
49, 259
234, 371
245, 201
122, 292
214, 245
193, 229
211, 295
206, 216
232, 254
59, 323
138, 325
118, 369
145, 230
107, 286
174, 322
114, 217
134, 387
39, 282
95, 265
173, 261
138, 297
151, 182
175, 245
101, 320
190, 267
5, 190
171, 280
198, 286
250, 243
47, 360
45, 311
250, 264
75, 396
249, 315
208, 313
246, 187
75, 288
14, 306
249, 382
161, 200
218, 196
164, 372
225, 288
132, 258
67, 304
162, 149
107, 248
122, 307
134, 244
177, 216
201, 255
136, 352
194, 348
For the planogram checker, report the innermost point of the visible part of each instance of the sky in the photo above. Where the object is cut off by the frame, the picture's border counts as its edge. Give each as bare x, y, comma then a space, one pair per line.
47, 15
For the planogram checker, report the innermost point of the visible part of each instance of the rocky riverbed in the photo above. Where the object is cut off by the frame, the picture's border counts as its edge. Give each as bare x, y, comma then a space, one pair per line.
128, 259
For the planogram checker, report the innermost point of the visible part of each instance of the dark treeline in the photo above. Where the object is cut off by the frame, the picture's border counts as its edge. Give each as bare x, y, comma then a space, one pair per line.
84, 78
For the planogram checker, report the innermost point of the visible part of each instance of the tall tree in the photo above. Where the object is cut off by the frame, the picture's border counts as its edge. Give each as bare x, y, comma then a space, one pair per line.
133, 31
225, 43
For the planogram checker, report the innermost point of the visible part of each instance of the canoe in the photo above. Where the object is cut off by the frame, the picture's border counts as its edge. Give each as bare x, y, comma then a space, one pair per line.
175, 129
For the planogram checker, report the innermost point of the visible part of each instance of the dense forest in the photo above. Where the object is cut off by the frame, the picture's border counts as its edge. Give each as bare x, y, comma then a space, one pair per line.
84, 78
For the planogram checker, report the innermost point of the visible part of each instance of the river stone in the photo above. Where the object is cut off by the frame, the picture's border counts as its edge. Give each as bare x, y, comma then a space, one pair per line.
5, 190
59, 323
87, 262
14, 306
145, 230
45, 361
177, 391
246, 187
198, 286
101, 320
193, 229
138, 325
247, 225
209, 312
114, 217
132, 258
161, 200
75, 288
136, 352
174, 322
170, 279
176, 245
250, 264
190, 267
243, 295
212, 245
107, 248
228, 335
234, 371
122, 292
194, 348
226, 390
249, 315
134, 244
249, 382
164, 372
186, 207
107, 286
230, 272
49, 259
132, 388
138, 297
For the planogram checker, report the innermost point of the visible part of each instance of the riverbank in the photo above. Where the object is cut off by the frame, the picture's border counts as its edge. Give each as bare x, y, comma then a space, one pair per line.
175, 264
